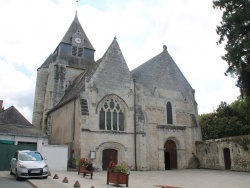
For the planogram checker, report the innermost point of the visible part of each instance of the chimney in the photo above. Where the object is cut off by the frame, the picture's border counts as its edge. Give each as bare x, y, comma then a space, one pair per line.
1, 105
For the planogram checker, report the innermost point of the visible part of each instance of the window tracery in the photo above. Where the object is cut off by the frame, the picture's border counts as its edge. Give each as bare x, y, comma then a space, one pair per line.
111, 116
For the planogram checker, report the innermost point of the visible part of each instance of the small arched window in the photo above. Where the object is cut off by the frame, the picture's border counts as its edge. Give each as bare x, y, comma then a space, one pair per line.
111, 116
169, 113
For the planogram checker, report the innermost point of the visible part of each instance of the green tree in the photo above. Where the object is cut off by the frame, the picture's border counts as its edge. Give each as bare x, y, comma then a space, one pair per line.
234, 30
227, 120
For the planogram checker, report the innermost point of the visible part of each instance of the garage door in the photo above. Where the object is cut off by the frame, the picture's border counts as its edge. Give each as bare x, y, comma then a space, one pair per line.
7, 150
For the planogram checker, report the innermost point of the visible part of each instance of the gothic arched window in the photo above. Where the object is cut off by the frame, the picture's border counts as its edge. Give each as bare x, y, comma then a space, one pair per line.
111, 116
169, 113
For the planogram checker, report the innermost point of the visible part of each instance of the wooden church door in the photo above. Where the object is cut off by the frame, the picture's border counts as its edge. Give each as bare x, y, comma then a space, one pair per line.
107, 156
170, 155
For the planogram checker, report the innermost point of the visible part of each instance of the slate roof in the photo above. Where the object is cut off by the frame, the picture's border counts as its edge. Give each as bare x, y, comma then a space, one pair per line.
12, 116
71, 61
161, 72
12, 122
74, 28
21, 130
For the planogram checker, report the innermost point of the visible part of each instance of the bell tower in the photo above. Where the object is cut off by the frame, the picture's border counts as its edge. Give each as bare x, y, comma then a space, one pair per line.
72, 56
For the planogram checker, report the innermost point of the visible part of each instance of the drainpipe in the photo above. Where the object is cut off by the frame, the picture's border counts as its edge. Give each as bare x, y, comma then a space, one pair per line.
135, 126
73, 134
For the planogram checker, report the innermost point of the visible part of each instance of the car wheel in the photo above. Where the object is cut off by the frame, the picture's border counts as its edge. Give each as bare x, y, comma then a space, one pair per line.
17, 177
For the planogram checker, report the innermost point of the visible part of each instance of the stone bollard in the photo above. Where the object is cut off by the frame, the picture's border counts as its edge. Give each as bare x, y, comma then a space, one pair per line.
49, 173
55, 176
65, 180
77, 184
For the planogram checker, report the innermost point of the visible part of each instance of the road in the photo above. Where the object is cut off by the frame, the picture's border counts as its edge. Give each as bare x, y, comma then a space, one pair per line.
10, 182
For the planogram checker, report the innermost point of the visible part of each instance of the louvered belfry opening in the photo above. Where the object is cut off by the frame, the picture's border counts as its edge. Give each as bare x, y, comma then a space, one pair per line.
77, 51
84, 107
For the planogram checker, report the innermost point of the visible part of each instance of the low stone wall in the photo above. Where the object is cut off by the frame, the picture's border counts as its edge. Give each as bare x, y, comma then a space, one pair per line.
231, 153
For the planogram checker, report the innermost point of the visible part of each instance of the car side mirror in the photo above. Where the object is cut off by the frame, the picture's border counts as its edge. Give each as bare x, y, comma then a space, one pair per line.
14, 159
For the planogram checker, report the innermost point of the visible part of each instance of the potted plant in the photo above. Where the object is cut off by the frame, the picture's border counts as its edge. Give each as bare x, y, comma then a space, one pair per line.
84, 164
118, 173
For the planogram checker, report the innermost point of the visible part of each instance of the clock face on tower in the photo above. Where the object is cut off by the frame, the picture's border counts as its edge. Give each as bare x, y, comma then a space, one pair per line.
78, 40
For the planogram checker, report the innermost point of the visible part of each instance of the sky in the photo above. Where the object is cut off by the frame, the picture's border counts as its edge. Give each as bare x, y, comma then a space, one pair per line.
30, 30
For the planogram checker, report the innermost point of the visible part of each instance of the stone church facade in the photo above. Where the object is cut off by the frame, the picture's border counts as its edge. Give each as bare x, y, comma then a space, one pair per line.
147, 117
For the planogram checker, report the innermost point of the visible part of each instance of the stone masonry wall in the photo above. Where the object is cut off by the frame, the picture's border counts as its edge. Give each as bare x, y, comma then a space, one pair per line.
111, 80
41, 84
211, 153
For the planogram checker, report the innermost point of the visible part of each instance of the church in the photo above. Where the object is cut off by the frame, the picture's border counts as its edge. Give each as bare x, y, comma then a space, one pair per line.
101, 110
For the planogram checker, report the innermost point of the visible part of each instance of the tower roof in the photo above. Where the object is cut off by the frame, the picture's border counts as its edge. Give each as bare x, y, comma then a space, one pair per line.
74, 28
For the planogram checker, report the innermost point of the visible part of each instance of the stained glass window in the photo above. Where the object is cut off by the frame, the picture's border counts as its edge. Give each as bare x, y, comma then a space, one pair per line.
108, 120
111, 104
115, 120
118, 107
102, 120
169, 113
111, 116
121, 127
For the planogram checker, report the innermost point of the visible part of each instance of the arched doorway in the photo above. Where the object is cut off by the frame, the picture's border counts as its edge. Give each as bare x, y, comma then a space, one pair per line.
170, 155
107, 156
227, 158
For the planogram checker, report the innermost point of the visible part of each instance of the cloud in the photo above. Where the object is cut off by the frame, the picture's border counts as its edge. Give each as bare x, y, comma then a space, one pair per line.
17, 89
31, 30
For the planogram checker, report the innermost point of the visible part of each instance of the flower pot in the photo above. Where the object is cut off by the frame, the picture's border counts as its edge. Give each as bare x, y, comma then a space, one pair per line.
117, 178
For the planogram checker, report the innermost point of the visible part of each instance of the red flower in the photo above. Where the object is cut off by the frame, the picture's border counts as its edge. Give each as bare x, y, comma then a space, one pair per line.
111, 166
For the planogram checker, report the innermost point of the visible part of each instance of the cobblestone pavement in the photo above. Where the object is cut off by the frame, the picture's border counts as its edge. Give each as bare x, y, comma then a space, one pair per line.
195, 178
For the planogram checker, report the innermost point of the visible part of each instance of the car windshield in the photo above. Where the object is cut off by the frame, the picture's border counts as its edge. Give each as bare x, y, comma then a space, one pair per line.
30, 156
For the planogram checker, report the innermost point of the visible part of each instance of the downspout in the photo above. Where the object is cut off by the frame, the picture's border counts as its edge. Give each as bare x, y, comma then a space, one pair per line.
73, 134
135, 127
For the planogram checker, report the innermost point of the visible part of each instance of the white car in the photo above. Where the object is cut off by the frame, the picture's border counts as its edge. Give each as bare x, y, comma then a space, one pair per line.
28, 164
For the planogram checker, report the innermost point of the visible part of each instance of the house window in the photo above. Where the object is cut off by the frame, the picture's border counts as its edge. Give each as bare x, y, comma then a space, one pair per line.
111, 116
169, 113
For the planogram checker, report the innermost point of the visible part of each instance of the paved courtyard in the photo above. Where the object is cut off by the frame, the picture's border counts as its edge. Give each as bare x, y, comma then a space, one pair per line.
194, 178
